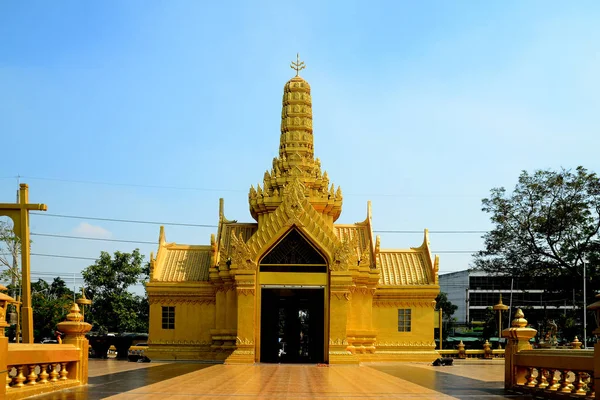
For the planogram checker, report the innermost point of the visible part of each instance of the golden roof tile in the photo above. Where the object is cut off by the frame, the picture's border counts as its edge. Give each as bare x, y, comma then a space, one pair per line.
180, 263
405, 267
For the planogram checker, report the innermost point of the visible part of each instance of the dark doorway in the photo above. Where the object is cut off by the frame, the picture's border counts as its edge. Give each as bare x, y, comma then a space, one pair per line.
292, 325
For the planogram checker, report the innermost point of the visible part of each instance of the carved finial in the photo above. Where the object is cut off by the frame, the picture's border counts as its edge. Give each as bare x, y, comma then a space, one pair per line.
161, 236
298, 65
75, 315
519, 321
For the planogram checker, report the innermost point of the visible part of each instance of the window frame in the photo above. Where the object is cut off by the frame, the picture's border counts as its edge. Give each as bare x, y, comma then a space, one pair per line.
168, 317
404, 320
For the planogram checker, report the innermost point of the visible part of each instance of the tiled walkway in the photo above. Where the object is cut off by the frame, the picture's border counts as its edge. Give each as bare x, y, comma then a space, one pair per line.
121, 380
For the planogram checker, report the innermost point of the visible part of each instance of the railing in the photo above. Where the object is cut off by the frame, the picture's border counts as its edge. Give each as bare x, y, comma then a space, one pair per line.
32, 369
40, 368
461, 353
546, 373
498, 353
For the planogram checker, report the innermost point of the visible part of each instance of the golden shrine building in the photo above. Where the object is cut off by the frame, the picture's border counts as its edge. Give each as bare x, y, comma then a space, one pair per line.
293, 286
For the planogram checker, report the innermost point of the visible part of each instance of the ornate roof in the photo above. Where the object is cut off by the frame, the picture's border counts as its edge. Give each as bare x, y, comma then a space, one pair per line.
296, 158
408, 266
180, 263
404, 267
295, 194
359, 231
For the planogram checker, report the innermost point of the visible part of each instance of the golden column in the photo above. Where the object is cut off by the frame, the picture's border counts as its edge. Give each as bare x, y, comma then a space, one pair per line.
19, 213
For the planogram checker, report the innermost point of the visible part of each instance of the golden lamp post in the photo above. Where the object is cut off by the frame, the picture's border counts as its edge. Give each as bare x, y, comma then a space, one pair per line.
83, 301
500, 307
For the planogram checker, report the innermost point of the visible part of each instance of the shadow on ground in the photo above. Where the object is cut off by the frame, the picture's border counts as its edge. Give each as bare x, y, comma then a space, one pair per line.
100, 387
450, 384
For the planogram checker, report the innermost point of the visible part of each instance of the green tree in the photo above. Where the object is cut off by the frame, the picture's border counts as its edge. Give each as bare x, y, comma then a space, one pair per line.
51, 304
545, 229
448, 310
10, 250
114, 308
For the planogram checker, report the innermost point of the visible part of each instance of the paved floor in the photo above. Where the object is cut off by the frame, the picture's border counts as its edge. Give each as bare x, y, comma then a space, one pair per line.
128, 381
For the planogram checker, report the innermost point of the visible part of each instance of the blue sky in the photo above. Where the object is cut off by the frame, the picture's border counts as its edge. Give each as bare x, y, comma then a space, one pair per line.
421, 107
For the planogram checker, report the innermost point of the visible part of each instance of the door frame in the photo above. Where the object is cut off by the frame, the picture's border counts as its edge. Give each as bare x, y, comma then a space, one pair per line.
291, 280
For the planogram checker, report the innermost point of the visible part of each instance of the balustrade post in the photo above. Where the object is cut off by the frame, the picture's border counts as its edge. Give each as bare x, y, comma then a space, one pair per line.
461, 350
517, 339
3, 362
75, 330
596, 376
487, 350
4, 301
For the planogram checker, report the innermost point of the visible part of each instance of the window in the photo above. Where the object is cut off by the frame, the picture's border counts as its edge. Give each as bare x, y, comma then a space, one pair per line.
404, 320
168, 317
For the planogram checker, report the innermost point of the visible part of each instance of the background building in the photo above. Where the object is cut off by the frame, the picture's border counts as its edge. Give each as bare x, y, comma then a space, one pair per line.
473, 292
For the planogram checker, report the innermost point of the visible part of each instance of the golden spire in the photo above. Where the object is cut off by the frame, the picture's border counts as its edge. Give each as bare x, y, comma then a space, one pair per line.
298, 65
296, 159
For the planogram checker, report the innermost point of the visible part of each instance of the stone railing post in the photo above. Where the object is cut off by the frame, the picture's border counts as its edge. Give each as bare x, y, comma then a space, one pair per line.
518, 336
75, 330
487, 350
595, 307
596, 376
5, 300
461, 350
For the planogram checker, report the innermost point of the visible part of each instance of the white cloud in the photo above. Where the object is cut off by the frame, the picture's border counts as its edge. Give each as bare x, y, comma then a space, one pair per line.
94, 231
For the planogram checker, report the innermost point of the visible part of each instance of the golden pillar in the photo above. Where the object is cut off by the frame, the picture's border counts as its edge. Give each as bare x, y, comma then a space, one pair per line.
220, 304
19, 213
75, 329
517, 339
245, 283
339, 313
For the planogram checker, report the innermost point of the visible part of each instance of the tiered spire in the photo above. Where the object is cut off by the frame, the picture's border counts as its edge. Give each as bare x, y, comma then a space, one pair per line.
296, 157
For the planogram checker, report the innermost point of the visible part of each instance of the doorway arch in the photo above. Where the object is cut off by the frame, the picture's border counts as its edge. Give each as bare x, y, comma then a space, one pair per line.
293, 287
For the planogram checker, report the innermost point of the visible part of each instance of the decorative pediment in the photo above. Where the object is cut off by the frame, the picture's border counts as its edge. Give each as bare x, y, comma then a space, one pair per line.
295, 210
293, 249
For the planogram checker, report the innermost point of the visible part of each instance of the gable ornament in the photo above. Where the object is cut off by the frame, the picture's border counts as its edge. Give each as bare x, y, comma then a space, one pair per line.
240, 253
293, 195
345, 255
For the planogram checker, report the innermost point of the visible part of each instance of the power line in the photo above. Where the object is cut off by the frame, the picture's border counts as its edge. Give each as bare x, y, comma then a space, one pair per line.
216, 226
63, 256
96, 239
155, 243
222, 190
124, 220
440, 232
455, 251
131, 184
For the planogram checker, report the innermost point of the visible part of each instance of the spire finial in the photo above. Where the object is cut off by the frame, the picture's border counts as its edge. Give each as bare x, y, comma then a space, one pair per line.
298, 65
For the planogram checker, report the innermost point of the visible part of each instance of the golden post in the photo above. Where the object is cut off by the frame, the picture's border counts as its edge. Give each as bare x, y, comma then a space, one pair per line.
19, 213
